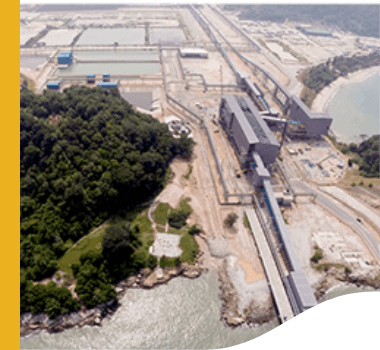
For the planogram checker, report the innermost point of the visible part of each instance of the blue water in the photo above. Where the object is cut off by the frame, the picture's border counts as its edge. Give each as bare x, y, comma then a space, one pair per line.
355, 108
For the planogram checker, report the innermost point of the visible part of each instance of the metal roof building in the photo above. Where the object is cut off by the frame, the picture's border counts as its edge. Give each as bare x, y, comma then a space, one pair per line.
309, 30
247, 129
65, 57
53, 85
313, 124
107, 84
193, 52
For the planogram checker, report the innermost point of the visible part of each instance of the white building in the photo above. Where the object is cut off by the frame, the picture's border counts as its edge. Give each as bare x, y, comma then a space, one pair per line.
193, 52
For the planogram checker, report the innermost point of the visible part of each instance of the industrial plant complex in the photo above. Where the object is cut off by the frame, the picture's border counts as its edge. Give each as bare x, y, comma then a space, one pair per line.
208, 76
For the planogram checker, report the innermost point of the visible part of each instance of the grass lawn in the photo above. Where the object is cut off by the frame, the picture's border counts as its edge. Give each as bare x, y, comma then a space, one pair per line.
93, 241
184, 205
181, 231
160, 228
353, 177
161, 214
189, 247
146, 233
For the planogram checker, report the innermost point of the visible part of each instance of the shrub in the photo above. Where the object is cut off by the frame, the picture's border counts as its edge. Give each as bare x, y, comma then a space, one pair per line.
152, 262
317, 256
370, 185
230, 219
177, 218
169, 262
353, 184
194, 230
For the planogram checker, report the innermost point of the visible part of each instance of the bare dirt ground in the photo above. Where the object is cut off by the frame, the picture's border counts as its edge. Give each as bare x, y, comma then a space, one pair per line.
309, 225
196, 30
367, 196
218, 243
310, 154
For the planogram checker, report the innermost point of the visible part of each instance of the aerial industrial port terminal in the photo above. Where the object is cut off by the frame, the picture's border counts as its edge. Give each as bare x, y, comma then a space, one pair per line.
246, 105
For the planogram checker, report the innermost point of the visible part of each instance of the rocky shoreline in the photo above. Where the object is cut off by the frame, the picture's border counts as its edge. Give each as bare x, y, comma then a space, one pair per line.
334, 275
253, 315
33, 324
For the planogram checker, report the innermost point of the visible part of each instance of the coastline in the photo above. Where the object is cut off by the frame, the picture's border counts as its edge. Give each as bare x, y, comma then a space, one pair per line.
323, 99
34, 324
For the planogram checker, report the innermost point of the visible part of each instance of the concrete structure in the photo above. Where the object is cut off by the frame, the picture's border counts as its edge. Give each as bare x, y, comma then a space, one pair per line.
299, 287
53, 85
273, 276
65, 58
309, 30
177, 127
193, 52
312, 124
260, 173
247, 130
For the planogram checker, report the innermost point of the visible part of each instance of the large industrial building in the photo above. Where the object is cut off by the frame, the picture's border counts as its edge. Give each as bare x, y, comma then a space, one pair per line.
247, 130
312, 124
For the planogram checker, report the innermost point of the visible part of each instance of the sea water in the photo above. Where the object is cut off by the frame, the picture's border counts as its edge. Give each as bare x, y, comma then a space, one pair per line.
183, 314
355, 108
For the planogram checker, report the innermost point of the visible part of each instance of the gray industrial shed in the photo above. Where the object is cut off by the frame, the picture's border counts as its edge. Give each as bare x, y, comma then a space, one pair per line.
247, 130
313, 124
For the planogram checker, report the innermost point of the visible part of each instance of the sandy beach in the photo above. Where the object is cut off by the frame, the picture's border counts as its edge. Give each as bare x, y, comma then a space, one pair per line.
323, 99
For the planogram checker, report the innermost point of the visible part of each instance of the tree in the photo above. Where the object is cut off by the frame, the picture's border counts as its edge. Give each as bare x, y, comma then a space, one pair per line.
185, 146
177, 218
116, 243
230, 219
102, 156
194, 230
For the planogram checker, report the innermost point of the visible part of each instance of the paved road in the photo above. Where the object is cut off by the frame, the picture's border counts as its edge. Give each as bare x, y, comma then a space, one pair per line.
301, 186
369, 240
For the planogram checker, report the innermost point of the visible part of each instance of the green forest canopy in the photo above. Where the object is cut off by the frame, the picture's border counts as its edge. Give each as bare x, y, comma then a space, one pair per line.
95, 157
360, 19
366, 156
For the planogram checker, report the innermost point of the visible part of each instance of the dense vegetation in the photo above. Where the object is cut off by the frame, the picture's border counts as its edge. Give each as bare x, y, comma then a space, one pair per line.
316, 78
85, 154
177, 217
48, 298
366, 155
359, 19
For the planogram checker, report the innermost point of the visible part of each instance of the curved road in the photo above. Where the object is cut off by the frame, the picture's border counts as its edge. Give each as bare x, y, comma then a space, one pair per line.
370, 241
